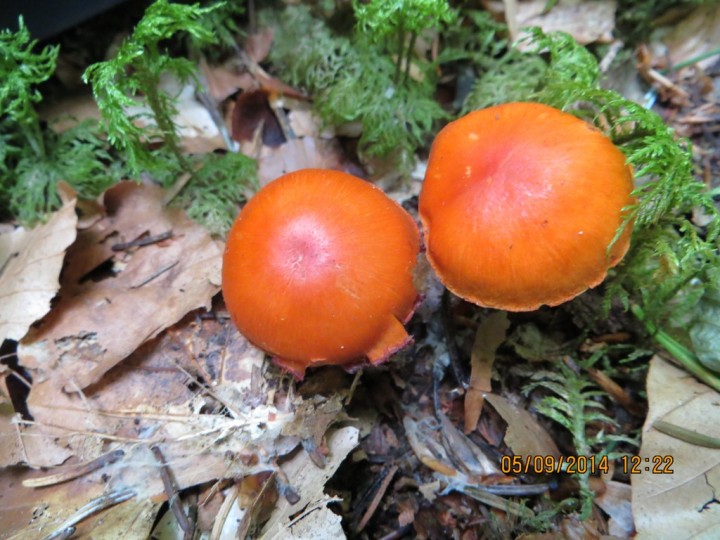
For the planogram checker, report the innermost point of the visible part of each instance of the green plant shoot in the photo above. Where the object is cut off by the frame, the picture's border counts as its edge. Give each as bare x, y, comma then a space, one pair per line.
397, 24
137, 70
21, 70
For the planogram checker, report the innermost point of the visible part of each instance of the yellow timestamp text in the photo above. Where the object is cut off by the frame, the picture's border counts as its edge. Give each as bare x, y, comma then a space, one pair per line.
531, 464
628, 464
650, 464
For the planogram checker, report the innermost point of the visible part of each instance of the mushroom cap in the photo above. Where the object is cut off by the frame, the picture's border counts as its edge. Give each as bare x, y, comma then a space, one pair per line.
520, 204
318, 269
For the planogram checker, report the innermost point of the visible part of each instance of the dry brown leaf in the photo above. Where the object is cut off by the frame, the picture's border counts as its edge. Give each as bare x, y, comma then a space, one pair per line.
30, 263
696, 34
588, 21
615, 501
490, 335
224, 80
466, 455
148, 396
197, 130
36, 446
309, 482
525, 436
258, 44
97, 324
683, 504
296, 154
145, 402
313, 418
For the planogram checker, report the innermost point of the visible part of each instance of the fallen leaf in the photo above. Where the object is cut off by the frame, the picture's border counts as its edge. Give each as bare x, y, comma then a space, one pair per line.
695, 35
683, 504
489, 336
252, 112
525, 435
313, 518
224, 80
296, 154
466, 455
99, 321
615, 501
195, 393
30, 264
588, 21
258, 44
194, 124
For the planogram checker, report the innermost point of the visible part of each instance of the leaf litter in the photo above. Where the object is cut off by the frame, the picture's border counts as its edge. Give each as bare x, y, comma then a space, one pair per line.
138, 392
142, 290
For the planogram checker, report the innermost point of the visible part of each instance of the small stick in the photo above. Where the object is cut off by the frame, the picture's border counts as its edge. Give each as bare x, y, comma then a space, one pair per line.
173, 496
74, 471
616, 391
379, 494
67, 528
399, 533
155, 275
144, 241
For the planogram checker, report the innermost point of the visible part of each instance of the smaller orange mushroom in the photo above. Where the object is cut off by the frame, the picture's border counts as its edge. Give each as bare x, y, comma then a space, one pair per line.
520, 205
318, 269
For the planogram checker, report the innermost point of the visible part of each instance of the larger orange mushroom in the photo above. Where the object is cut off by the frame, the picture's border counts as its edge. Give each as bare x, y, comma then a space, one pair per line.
520, 205
318, 269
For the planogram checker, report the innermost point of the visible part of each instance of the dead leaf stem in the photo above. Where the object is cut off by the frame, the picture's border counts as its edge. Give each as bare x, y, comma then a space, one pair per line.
172, 492
142, 241
155, 275
379, 494
96, 505
74, 471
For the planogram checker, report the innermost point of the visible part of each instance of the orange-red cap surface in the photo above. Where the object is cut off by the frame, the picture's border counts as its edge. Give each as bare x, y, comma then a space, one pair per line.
520, 204
318, 269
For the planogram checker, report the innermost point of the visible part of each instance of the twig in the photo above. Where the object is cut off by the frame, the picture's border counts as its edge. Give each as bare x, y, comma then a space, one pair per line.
617, 392
379, 494
144, 241
283, 486
398, 533
452, 348
171, 491
74, 471
96, 505
232, 410
155, 275
353, 387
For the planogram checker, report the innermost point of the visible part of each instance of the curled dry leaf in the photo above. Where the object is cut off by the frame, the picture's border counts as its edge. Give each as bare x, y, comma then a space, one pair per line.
312, 517
490, 335
683, 504
198, 131
695, 35
587, 21
296, 154
30, 263
525, 435
615, 502
113, 301
224, 80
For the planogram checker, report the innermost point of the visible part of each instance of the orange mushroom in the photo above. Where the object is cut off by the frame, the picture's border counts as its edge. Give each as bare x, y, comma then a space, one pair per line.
520, 205
318, 269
